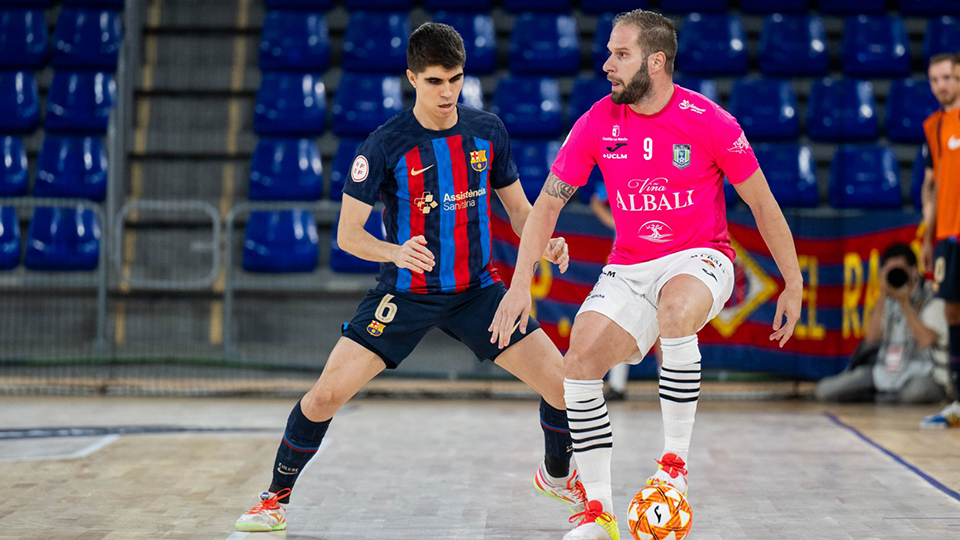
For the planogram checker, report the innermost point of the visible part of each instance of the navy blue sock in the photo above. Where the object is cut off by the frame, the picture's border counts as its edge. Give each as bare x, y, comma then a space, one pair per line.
301, 440
954, 352
556, 438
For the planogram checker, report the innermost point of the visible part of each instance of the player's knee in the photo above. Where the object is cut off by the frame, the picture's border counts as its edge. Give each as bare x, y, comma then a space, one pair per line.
951, 312
677, 319
577, 366
321, 403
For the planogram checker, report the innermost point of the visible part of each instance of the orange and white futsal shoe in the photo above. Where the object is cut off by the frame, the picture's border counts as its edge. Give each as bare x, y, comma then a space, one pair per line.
572, 495
268, 515
673, 471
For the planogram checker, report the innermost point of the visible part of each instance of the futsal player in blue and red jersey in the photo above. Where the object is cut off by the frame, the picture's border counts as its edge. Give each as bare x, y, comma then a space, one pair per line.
434, 167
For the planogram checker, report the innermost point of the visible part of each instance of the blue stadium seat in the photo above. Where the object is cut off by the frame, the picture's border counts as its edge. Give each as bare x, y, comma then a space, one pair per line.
687, 6
706, 87
842, 110
72, 167
479, 38
601, 37
9, 238
295, 41
544, 44
286, 170
14, 174
309, 5
943, 36
284, 241
533, 159
345, 263
529, 106
791, 173
342, 161
765, 108
19, 101
290, 104
917, 173
87, 39
66, 239
376, 41
793, 45
80, 102
23, 39
381, 5
517, 6
929, 8
364, 102
585, 93
611, 6
458, 5
852, 7
472, 92
712, 44
108, 4
875, 46
909, 103
768, 7
865, 176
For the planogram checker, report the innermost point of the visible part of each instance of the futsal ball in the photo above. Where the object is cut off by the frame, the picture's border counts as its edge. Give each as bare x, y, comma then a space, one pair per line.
659, 512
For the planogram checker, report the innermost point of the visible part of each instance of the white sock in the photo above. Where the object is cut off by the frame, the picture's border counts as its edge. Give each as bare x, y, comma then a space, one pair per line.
679, 392
617, 378
592, 437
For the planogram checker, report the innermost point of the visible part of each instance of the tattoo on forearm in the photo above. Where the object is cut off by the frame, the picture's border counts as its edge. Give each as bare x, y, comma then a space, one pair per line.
556, 187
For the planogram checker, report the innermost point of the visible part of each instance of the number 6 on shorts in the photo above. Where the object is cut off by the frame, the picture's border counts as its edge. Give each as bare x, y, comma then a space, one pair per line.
387, 310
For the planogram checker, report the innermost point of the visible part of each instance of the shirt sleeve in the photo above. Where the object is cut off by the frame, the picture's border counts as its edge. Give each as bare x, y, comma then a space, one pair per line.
368, 173
504, 167
731, 150
575, 160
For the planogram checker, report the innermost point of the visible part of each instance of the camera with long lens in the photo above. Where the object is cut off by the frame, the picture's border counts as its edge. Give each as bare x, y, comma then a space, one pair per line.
897, 277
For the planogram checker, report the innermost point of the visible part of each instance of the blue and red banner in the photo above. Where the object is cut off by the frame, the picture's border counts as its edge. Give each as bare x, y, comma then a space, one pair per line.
839, 255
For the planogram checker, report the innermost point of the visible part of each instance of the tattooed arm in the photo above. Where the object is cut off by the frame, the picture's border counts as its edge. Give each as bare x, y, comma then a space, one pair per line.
536, 233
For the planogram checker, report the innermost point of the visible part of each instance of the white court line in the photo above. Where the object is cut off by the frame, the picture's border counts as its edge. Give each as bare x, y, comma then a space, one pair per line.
83, 452
323, 446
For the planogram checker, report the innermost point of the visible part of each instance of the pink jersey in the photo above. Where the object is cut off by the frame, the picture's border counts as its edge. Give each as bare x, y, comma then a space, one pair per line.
663, 172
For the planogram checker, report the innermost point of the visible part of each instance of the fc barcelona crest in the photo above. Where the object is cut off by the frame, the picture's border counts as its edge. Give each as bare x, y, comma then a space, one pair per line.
375, 328
478, 160
681, 156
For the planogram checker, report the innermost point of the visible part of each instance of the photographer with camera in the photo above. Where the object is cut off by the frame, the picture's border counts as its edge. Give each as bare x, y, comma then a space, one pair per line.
903, 354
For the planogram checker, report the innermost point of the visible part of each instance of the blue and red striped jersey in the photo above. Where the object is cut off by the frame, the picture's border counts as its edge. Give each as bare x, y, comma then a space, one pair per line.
436, 184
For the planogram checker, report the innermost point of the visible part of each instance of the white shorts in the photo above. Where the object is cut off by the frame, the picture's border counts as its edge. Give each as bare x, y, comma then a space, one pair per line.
628, 294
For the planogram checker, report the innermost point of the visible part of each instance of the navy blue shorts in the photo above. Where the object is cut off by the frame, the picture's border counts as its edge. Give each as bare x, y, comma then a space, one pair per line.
946, 270
391, 324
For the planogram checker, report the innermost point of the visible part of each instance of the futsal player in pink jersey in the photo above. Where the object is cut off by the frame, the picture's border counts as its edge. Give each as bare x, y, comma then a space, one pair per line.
663, 151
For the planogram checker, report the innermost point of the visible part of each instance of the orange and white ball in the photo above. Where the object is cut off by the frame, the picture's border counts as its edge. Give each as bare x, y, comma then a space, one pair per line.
659, 512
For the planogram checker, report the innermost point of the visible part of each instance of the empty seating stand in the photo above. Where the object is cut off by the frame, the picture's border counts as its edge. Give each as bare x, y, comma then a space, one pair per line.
290, 104
295, 41
19, 101
865, 176
851, 7
601, 37
842, 110
376, 41
791, 173
108, 4
479, 38
705, 87
765, 108
917, 173
72, 166
585, 93
87, 39
768, 7
363, 102
80, 102
23, 38
534, 159
458, 5
307, 5
793, 45
517, 6
9, 238
13, 167
286, 170
929, 8
687, 6
342, 161
471, 93
529, 106
611, 6
284, 241
712, 44
908, 105
943, 36
65, 239
343, 262
544, 44
875, 46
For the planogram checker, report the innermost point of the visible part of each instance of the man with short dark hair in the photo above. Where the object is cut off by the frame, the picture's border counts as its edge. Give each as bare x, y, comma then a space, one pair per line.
433, 166
908, 333
941, 214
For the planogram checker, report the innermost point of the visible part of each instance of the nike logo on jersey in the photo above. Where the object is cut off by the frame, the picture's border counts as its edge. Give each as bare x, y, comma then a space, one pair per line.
414, 173
953, 144
617, 147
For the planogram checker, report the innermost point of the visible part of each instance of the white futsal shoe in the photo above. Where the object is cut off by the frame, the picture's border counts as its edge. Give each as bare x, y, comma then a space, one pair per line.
268, 515
672, 471
572, 495
594, 523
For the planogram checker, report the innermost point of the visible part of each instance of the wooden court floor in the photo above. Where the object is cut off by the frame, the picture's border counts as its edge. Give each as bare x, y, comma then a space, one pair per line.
164, 468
